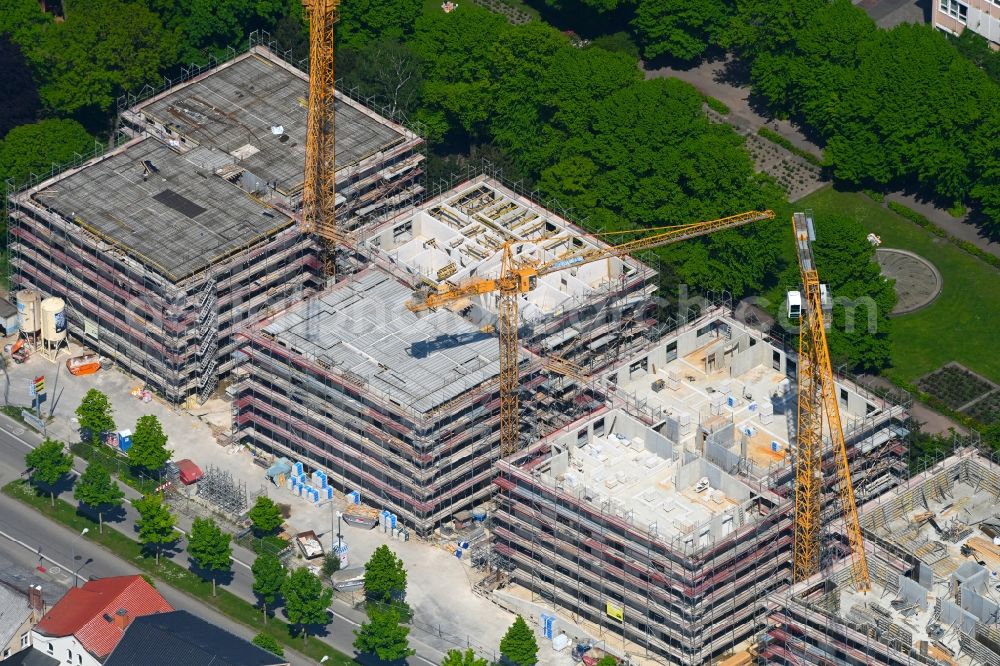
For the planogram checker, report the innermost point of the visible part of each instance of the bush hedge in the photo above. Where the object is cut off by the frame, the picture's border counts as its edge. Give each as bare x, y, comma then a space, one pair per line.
717, 105
922, 221
774, 137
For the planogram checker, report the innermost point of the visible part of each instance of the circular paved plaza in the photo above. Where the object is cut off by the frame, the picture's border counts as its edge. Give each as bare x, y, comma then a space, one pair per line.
918, 282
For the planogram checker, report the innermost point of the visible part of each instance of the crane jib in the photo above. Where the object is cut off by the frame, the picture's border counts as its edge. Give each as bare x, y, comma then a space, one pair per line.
566, 263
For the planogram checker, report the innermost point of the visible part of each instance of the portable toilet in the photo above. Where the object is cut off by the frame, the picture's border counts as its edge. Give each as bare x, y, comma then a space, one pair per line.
124, 440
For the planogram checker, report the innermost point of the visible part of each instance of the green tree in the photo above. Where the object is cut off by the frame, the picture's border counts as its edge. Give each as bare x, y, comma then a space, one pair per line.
607, 660
306, 600
562, 97
96, 489
268, 578
652, 159
385, 577
49, 462
384, 69
894, 108
679, 29
454, 50
149, 444
860, 333
94, 416
520, 63
518, 646
24, 21
208, 27
104, 47
269, 643
977, 49
331, 564
155, 523
265, 515
210, 548
35, 148
767, 26
362, 22
459, 658
383, 635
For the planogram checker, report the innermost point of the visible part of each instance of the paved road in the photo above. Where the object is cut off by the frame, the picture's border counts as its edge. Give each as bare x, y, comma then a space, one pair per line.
23, 526
53, 541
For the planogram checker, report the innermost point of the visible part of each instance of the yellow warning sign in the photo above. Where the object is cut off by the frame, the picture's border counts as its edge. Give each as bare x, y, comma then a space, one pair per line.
617, 612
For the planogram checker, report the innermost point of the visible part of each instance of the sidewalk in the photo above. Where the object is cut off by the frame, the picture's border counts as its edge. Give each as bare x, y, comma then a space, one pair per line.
708, 78
440, 590
241, 583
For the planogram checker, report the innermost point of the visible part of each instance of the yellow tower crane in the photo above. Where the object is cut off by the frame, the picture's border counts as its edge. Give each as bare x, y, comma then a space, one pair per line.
519, 276
319, 190
817, 397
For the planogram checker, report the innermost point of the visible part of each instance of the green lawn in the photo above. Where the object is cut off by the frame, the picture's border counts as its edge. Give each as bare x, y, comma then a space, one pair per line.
961, 324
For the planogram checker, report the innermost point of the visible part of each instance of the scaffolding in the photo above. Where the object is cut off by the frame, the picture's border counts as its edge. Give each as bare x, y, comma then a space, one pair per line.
220, 489
164, 301
691, 601
917, 535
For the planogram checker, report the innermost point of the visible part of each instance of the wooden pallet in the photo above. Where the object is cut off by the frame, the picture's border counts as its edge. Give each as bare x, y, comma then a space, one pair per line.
986, 551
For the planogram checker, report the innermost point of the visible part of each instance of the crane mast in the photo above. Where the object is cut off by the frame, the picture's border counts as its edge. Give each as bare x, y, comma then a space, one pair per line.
520, 277
507, 327
817, 398
319, 189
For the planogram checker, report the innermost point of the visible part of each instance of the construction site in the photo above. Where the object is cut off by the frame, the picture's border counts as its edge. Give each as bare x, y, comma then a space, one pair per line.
404, 408
163, 247
936, 596
663, 521
691, 491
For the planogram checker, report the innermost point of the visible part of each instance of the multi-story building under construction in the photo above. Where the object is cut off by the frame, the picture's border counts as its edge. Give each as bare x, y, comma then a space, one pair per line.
933, 553
660, 523
163, 247
405, 407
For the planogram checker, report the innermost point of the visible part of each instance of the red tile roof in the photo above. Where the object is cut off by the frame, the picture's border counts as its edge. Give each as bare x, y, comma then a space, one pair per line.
88, 612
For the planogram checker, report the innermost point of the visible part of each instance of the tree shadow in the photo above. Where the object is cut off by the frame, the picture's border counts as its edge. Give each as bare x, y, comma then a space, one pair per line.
272, 608
987, 228
712, 54
114, 514
366, 659
583, 19
63, 485
316, 630
736, 72
221, 577
167, 550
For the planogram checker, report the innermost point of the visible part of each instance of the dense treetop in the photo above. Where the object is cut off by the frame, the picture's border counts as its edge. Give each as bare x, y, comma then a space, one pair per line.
901, 108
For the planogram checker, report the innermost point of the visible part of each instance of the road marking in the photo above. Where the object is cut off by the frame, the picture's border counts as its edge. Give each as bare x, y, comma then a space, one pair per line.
44, 557
17, 436
234, 559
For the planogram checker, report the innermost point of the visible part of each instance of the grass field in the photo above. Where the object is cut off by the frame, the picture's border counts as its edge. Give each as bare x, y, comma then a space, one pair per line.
961, 324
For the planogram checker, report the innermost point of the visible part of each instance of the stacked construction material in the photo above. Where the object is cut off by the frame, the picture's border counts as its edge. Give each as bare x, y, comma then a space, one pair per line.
313, 487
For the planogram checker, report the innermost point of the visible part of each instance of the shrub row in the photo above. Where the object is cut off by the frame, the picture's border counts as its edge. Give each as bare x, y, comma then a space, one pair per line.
774, 137
716, 105
922, 221
173, 574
